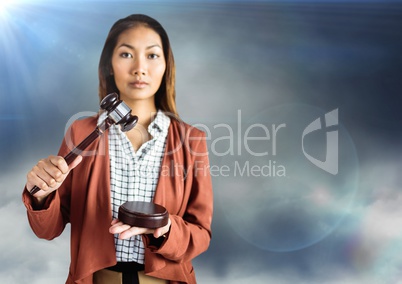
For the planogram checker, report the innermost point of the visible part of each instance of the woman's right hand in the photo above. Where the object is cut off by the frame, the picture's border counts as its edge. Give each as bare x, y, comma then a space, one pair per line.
48, 174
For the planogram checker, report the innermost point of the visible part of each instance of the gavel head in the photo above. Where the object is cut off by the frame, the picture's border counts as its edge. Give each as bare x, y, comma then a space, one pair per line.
118, 112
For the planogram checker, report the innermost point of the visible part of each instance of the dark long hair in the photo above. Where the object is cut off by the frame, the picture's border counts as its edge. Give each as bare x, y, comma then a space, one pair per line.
165, 97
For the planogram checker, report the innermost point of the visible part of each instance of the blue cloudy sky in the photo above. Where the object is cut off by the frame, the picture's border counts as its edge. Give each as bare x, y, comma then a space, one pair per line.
255, 76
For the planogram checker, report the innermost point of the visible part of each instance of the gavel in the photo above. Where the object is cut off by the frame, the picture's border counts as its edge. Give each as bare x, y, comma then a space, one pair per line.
117, 113
133, 213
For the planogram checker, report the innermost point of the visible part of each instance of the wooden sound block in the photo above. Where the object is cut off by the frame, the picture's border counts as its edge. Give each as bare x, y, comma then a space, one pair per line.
143, 214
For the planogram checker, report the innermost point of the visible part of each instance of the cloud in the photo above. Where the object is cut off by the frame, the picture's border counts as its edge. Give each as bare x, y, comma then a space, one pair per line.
229, 57
375, 239
24, 258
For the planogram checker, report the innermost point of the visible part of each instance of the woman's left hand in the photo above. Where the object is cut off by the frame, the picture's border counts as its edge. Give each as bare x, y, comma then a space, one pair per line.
126, 231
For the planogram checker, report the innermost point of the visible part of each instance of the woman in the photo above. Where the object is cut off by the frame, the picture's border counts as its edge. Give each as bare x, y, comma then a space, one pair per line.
162, 160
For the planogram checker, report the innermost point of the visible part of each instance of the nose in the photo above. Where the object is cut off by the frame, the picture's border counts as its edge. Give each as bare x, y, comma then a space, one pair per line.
139, 66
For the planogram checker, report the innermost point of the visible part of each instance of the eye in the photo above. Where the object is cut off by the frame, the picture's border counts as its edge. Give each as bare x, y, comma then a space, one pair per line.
126, 55
153, 56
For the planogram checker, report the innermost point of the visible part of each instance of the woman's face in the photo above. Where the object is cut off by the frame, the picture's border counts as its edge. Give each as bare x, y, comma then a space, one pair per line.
138, 64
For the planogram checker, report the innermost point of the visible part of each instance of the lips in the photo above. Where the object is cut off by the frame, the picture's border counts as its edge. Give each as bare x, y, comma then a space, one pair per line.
138, 84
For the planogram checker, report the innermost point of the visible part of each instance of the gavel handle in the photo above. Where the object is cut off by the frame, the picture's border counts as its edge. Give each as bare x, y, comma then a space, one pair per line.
70, 157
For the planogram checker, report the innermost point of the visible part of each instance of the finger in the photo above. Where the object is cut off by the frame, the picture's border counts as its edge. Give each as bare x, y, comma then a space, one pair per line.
50, 168
159, 232
34, 180
118, 228
75, 163
134, 231
59, 163
58, 168
46, 174
42, 178
116, 223
162, 230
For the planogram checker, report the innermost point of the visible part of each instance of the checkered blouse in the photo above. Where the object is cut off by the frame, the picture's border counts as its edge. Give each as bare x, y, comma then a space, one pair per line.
134, 176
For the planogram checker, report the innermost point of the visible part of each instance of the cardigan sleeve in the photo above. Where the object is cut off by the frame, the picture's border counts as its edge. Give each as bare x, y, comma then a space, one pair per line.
50, 221
190, 234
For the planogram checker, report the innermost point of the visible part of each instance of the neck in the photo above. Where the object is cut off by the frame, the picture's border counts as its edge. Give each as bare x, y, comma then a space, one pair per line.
144, 109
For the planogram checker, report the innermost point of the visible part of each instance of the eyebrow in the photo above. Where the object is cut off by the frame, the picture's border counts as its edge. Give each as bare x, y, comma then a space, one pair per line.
132, 47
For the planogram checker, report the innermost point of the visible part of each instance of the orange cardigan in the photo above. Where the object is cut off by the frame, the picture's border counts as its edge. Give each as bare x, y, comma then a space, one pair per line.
83, 200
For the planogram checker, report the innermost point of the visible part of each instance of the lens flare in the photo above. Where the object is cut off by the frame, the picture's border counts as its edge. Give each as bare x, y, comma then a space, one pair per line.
281, 201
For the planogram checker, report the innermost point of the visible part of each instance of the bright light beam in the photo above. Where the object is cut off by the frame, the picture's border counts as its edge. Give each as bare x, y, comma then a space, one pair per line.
5, 5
